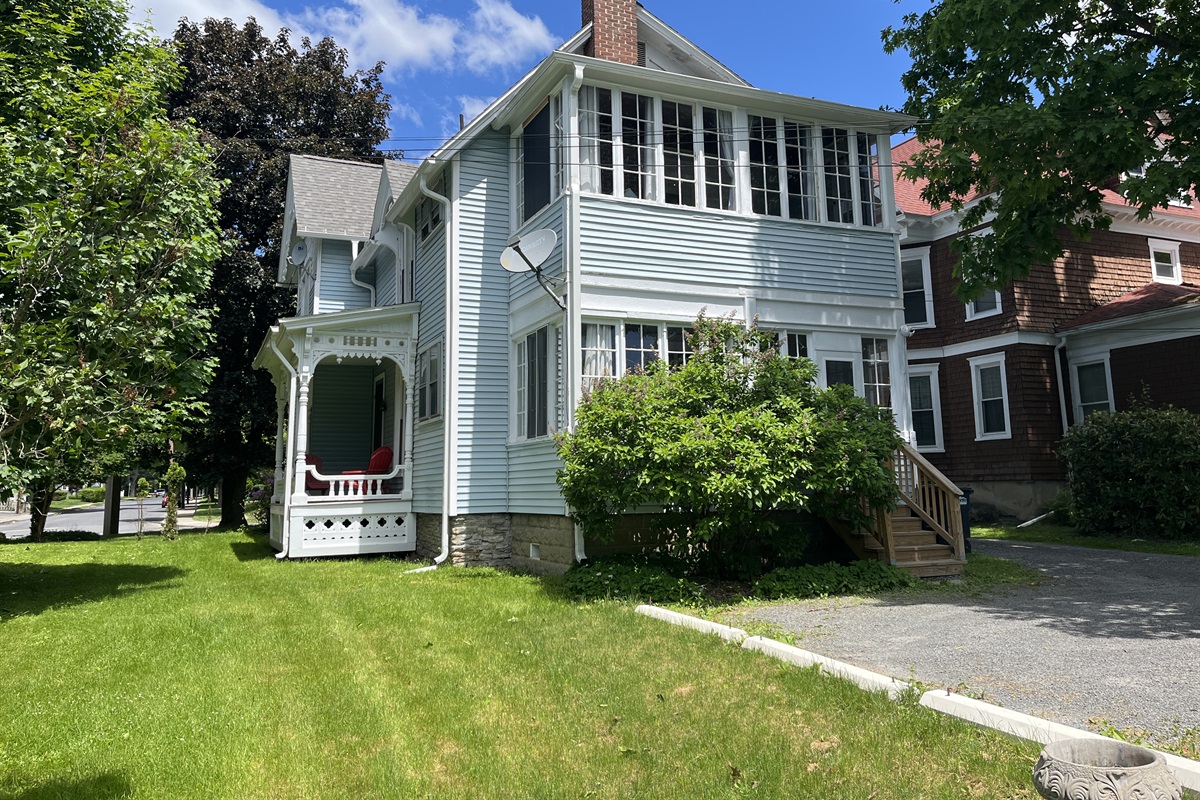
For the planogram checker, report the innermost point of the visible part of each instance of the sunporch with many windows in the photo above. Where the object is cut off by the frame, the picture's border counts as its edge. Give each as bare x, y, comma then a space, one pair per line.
343, 456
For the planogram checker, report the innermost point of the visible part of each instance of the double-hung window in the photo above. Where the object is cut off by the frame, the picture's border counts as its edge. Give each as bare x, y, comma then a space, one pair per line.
679, 154
718, 146
1091, 381
793, 345
918, 289
596, 140
637, 145
877, 373
987, 305
679, 345
429, 381
924, 395
1164, 261
782, 186
990, 391
599, 353
533, 384
641, 345
535, 166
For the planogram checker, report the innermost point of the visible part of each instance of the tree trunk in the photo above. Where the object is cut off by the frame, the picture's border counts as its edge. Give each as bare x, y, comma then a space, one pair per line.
233, 499
39, 507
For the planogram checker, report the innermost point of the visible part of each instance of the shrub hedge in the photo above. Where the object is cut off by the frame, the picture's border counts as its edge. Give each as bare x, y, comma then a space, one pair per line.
818, 580
1135, 473
92, 494
652, 578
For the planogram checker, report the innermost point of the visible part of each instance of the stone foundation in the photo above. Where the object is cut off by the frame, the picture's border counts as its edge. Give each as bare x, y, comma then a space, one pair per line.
429, 536
1021, 499
543, 543
481, 540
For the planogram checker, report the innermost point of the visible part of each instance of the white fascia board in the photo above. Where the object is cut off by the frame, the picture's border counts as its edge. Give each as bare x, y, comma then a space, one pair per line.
346, 319
648, 286
286, 270
1160, 223
982, 344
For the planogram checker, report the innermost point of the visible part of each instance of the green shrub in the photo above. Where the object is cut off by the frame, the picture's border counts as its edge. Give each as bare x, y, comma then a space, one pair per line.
652, 578
60, 494
821, 580
92, 494
723, 444
1135, 473
1060, 509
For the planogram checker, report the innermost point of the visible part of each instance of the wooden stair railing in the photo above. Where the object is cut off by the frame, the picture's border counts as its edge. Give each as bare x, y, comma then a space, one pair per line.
931, 496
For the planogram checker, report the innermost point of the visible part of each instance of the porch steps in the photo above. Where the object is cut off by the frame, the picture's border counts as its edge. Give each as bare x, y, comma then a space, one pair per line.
918, 551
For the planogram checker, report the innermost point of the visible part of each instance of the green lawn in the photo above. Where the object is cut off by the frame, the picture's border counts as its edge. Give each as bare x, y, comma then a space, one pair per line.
205, 668
69, 502
1047, 533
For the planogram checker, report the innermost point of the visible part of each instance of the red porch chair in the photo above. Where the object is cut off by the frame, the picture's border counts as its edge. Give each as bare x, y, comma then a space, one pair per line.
380, 463
311, 483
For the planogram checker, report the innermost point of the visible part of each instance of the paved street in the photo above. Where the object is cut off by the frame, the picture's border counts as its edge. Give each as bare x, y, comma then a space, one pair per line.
90, 518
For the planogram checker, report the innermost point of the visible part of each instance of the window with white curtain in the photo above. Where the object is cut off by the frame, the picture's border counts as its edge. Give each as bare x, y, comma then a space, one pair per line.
599, 353
719, 191
596, 140
637, 145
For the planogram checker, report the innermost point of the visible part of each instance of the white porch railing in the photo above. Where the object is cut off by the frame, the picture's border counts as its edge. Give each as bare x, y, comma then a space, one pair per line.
354, 486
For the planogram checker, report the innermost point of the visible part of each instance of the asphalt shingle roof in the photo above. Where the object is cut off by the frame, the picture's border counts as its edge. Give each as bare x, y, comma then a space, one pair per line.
333, 196
1151, 297
399, 174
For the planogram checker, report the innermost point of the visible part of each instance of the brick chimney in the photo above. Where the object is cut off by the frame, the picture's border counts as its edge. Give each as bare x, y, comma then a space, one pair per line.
614, 29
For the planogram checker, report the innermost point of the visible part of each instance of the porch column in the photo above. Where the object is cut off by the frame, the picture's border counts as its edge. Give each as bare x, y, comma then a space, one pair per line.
300, 436
279, 490
408, 440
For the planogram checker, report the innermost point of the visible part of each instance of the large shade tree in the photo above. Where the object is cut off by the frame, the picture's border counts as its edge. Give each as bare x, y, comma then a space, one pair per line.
107, 233
1047, 102
259, 99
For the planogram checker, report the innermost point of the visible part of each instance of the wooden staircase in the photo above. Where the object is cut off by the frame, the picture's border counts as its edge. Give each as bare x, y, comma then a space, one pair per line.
923, 535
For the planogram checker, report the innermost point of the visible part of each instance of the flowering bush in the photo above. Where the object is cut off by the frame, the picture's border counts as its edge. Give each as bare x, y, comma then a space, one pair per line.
258, 497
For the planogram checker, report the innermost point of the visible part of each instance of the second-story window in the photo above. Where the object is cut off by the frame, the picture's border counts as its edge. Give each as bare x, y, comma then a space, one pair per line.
679, 154
637, 145
596, 140
534, 166
765, 195
718, 147
839, 191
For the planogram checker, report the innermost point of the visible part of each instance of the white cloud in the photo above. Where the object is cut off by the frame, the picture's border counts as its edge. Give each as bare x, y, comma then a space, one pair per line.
385, 30
406, 112
471, 106
164, 15
499, 36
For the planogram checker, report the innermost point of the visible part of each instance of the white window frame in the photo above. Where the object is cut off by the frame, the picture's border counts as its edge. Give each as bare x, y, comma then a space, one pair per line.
518, 398
785, 342
977, 364
855, 362
930, 371
1165, 246
972, 314
1076, 398
426, 378
889, 345
922, 254
590, 381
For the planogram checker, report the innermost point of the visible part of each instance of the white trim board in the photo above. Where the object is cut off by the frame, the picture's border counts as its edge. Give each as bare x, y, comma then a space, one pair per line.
986, 343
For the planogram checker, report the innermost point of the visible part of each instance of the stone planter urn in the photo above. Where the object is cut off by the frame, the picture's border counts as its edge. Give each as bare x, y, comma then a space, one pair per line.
1103, 769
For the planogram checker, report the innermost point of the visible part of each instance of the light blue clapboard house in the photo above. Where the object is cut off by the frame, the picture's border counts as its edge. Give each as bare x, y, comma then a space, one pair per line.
672, 187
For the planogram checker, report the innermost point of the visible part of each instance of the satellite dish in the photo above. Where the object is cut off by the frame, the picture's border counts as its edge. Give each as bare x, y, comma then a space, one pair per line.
530, 251
299, 253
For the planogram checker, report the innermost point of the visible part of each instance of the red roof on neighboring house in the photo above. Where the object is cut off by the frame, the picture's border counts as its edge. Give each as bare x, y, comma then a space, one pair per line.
908, 192
1151, 297
909, 200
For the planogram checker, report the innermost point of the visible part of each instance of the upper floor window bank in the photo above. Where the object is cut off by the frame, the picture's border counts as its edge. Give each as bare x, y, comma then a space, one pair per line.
695, 155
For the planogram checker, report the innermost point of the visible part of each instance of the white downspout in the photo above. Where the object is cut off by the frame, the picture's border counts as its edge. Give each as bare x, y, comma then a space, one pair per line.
354, 272
289, 466
1062, 389
574, 269
450, 410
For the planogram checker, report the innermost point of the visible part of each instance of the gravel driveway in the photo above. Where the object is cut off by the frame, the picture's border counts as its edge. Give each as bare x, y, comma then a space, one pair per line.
1107, 636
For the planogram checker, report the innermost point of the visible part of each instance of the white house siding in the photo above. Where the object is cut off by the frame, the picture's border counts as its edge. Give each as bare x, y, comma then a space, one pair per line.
339, 420
429, 289
427, 466
336, 292
429, 286
385, 278
483, 356
551, 217
645, 241
532, 485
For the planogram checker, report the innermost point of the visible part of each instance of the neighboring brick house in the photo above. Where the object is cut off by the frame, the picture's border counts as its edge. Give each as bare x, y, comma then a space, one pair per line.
995, 383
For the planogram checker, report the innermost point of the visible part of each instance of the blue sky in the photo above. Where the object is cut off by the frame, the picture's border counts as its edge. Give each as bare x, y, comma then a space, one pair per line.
446, 57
